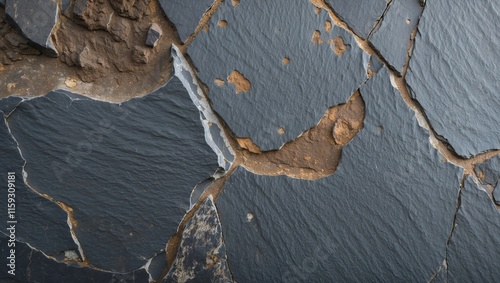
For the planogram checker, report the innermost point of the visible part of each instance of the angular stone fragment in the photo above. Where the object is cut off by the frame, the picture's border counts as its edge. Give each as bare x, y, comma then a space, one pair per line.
383, 216
360, 15
154, 35
126, 170
92, 14
33, 266
185, 14
202, 255
273, 95
473, 253
392, 36
42, 223
36, 19
453, 73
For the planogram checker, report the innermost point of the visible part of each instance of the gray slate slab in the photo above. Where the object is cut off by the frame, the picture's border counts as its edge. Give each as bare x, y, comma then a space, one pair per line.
41, 222
474, 250
36, 19
454, 75
490, 170
360, 15
185, 14
202, 255
293, 96
383, 216
392, 37
2, 3
127, 170
33, 266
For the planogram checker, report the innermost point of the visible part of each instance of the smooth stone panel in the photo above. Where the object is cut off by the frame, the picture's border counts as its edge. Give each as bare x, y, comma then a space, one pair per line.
127, 169
474, 250
454, 75
383, 216
291, 79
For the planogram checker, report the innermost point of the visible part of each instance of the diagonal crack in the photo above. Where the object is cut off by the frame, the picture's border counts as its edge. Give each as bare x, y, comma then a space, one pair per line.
378, 22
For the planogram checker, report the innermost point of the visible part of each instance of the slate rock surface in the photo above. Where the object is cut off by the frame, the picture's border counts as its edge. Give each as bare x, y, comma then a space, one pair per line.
33, 266
126, 170
392, 37
453, 73
36, 19
201, 256
473, 253
283, 90
391, 201
42, 223
360, 15
185, 14
2, 3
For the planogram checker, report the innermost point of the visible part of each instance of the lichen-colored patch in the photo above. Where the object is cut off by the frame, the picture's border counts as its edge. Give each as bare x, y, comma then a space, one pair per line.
241, 83
248, 144
338, 45
286, 60
219, 82
222, 23
235, 2
316, 37
328, 26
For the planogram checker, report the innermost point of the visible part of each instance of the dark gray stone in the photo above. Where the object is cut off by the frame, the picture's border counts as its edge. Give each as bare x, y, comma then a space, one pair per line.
202, 255
293, 96
36, 19
127, 170
33, 266
392, 36
65, 5
154, 35
383, 216
157, 265
185, 14
41, 222
453, 73
2, 3
473, 253
360, 15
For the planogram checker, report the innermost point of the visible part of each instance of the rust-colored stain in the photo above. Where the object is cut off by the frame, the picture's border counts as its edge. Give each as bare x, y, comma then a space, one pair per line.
241, 83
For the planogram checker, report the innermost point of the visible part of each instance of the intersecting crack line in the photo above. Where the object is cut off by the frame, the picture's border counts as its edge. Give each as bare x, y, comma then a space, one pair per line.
203, 21
378, 22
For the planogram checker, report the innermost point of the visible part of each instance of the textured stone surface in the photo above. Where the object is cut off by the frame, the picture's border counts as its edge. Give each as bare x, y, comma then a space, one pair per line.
36, 19
457, 83
360, 15
489, 171
392, 37
33, 266
126, 170
42, 223
291, 87
383, 216
202, 255
185, 14
474, 250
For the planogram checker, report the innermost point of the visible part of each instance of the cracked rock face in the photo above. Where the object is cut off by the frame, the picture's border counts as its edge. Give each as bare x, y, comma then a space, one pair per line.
201, 256
185, 14
256, 91
295, 230
392, 37
456, 83
360, 15
113, 169
474, 248
36, 19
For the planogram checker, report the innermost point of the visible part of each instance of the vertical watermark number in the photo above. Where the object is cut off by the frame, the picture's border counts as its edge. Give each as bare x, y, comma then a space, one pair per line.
11, 222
